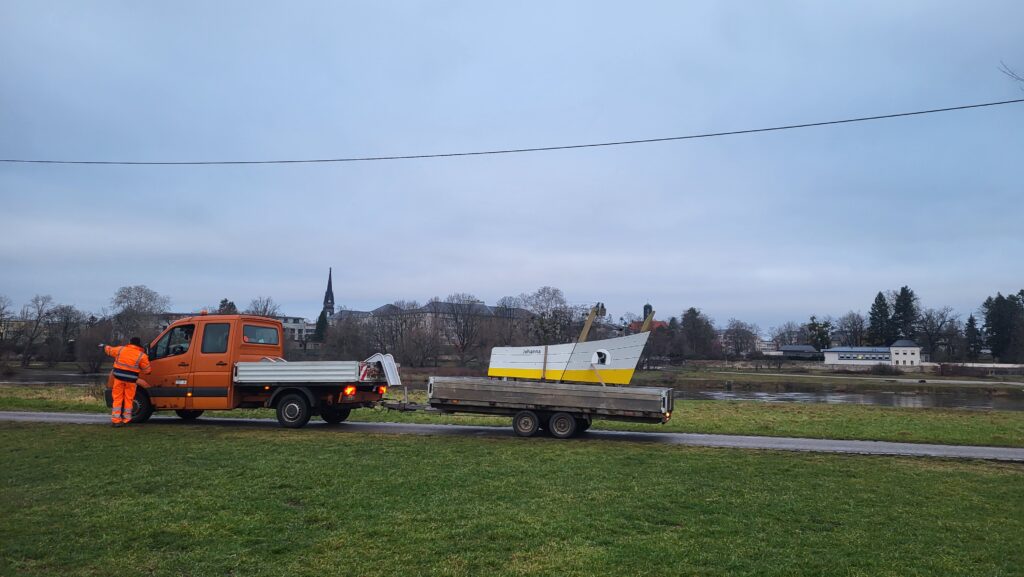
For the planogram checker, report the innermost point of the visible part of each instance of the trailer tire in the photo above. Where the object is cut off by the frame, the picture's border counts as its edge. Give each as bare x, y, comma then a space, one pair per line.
334, 415
293, 411
188, 414
562, 425
142, 407
525, 423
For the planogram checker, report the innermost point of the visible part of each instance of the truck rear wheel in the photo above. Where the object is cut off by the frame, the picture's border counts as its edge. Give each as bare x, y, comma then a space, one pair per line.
525, 423
188, 414
293, 411
562, 425
334, 415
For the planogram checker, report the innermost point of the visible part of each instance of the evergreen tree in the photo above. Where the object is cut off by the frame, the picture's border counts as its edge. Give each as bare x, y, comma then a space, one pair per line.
697, 334
879, 331
227, 307
320, 333
973, 338
905, 314
819, 333
1004, 326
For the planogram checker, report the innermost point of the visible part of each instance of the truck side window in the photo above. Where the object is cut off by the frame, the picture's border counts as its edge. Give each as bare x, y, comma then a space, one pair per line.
175, 342
215, 338
253, 334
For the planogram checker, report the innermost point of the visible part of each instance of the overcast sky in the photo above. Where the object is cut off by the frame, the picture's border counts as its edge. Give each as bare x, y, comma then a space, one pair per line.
766, 227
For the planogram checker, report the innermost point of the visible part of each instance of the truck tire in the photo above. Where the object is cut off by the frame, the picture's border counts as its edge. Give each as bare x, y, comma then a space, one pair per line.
293, 411
562, 425
142, 407
188, 414
334, 415
525, 423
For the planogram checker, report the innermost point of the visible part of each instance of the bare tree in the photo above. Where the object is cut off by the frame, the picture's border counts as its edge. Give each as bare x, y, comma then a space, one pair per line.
263, 307
932, 329
740, 338
553, 318
6, 315
137, 310
65, 323
88, 355
33, 319
464, 319
509, 324
852, 329
789, 333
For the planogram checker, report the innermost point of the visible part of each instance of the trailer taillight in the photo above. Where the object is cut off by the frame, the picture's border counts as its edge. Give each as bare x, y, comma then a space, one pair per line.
382, 389
349, 390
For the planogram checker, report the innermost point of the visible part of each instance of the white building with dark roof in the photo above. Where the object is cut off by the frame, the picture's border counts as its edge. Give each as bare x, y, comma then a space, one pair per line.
904, 353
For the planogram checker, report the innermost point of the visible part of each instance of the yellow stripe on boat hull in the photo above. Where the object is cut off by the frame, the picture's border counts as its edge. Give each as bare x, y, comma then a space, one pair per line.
609, 376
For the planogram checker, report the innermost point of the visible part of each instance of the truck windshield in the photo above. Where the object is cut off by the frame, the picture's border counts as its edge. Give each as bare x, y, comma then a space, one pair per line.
253, 334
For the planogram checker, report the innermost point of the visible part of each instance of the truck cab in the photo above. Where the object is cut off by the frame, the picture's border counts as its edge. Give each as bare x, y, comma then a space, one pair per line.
195, 362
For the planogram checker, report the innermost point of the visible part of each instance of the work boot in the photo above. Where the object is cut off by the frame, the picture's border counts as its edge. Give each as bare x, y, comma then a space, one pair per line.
116, 425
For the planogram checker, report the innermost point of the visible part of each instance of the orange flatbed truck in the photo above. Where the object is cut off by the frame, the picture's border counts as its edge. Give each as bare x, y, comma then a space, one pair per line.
223, 362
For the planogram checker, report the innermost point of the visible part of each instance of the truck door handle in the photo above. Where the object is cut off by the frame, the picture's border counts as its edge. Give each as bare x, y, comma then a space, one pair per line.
221, 364
182, 364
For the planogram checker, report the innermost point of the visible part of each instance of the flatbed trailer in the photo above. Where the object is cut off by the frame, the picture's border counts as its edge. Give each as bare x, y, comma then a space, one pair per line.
562, 409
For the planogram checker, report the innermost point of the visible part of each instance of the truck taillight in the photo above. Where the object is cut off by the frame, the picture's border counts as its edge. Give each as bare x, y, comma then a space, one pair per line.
349, 390
382, 389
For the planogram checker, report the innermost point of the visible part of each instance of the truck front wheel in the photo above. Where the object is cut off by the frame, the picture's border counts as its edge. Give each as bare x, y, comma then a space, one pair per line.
525, 423
293, 411
334, 415
188, 414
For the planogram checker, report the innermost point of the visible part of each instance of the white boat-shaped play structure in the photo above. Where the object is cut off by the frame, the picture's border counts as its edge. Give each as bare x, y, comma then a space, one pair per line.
608, 361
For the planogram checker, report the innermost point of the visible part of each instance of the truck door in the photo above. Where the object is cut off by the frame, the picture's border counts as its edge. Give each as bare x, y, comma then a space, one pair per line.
171, 360
212, 367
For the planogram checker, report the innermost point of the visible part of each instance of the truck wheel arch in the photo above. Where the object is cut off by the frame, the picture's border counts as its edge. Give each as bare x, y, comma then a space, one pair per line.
281, 392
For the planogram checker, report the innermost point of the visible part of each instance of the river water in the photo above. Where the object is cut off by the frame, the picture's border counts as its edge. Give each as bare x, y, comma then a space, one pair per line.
1000, 400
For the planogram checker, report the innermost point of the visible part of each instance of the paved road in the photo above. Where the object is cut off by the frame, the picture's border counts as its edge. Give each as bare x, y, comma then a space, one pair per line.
692, 439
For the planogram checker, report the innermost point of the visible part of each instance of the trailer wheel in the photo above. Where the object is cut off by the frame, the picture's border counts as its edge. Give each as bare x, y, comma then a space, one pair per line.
188, 414
525, 423
562, 425
334, 415
293, 411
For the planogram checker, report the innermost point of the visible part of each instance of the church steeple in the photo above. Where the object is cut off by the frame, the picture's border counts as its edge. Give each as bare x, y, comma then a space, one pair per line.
329, 295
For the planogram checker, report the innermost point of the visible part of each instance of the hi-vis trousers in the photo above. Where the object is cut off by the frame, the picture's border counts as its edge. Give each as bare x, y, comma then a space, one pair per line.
124, 396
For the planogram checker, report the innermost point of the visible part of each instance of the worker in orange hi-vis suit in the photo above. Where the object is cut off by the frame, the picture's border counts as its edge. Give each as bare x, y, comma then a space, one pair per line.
129, 362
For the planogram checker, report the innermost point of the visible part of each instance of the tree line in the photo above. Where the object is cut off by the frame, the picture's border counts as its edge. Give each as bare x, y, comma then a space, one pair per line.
462, 329
47, 331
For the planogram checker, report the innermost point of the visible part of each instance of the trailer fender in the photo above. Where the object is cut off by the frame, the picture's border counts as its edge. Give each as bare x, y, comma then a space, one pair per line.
272, 402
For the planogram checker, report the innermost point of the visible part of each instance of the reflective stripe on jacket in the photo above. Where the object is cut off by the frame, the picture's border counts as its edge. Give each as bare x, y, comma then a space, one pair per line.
129, 362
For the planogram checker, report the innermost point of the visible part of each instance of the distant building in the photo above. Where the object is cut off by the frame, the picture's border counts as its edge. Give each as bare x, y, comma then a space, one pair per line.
903, 352
800, 352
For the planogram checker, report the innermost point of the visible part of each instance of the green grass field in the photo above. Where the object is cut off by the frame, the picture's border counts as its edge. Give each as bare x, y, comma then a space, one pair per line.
822, 421
91, 500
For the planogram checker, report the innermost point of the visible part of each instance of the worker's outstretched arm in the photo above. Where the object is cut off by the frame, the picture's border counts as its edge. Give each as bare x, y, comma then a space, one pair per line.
144, 365
111, 351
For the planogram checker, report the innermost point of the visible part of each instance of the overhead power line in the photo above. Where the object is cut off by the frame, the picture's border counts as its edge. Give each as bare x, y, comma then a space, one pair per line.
514, 150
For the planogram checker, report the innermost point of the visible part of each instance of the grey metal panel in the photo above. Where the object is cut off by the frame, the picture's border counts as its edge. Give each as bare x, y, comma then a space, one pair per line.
488, 392
303, 372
